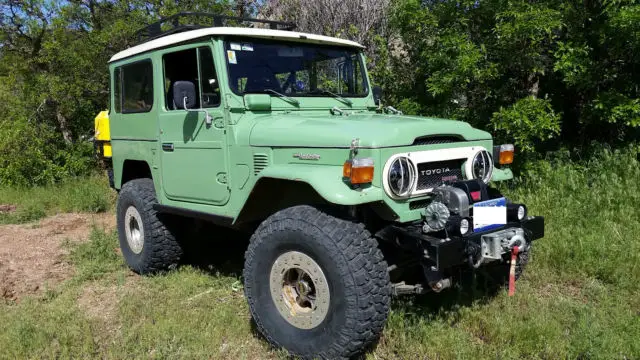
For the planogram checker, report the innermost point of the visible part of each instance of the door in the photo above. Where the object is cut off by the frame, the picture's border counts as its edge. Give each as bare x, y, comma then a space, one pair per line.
193, 155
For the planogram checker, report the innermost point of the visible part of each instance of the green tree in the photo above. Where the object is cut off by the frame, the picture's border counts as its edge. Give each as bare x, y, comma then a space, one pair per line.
536, 70
53, 75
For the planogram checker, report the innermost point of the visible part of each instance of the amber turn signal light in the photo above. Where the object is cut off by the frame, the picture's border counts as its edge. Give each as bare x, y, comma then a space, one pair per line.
506, 154
358, 171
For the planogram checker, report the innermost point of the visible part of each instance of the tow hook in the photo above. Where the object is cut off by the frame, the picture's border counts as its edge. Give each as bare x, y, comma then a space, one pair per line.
517, 240
440, 285
474, 252
437, 282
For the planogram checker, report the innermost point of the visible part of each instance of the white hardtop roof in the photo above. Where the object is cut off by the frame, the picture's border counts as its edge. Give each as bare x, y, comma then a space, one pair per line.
236, 31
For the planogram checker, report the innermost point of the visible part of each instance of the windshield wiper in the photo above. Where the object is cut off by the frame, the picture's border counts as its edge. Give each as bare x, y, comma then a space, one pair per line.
336, 96
284, 97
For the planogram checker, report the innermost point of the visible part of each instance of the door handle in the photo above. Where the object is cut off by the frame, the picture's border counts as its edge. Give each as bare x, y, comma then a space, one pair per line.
167, 147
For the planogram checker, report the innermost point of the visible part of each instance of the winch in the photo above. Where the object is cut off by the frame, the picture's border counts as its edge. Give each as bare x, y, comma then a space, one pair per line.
494, 245
448, 211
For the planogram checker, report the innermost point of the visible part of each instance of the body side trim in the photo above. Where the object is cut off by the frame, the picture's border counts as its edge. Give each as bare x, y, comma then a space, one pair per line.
216, 219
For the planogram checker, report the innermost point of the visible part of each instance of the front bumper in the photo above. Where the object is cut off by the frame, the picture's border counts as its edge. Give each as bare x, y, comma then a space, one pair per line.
447, 253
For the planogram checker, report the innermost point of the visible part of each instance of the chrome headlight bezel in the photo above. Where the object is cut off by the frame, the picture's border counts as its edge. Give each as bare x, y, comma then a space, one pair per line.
404, 168
480, 166
415, 158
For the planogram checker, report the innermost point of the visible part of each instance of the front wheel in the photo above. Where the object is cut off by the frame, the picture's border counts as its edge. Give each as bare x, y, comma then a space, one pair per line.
317, 285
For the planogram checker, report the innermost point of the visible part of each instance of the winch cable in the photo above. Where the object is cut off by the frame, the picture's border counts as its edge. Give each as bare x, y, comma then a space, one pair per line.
512, 271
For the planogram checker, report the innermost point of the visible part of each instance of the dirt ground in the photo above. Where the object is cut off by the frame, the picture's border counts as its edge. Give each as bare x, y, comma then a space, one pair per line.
32, 257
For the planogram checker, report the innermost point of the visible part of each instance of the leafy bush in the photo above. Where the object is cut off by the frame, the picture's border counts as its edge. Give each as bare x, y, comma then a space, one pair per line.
526, 123
32, 154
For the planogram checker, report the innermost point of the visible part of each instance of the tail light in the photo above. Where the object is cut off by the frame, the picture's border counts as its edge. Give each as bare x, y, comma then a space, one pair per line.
358, 171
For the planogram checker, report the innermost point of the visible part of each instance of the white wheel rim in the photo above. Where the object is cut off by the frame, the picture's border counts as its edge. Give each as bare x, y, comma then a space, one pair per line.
299, 290
133, 230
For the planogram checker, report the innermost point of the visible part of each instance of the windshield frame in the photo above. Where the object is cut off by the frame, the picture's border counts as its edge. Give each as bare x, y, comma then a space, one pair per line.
358, 52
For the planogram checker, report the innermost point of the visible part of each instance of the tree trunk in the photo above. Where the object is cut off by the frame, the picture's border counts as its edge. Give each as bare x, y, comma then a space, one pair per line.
534, 89
63, 124
64, 128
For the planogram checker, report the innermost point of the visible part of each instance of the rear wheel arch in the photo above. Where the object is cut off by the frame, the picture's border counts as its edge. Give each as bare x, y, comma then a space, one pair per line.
134, 169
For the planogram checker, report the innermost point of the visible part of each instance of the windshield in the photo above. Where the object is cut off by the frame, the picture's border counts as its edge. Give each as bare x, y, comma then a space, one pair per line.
294, 69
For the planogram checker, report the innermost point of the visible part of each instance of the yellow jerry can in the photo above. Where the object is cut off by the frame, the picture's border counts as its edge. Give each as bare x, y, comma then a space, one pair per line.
102, 134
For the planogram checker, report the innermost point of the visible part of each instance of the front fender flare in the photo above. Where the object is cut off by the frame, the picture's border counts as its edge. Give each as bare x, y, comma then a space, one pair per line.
326, 180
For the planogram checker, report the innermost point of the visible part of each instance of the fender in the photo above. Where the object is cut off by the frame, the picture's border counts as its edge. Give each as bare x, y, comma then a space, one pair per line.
326, 180
501, 174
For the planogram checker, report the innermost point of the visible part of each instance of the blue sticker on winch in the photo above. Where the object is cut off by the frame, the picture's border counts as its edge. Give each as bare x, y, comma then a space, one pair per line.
490, 214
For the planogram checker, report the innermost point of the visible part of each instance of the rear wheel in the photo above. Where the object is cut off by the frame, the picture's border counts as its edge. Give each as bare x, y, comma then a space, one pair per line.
147, 239
317, 285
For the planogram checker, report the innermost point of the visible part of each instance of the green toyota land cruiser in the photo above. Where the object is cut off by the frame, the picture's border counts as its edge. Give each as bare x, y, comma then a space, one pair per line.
280, 134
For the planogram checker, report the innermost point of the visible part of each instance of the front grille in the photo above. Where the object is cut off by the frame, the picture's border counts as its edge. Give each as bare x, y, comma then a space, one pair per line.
432, 174
419, 204
432, 140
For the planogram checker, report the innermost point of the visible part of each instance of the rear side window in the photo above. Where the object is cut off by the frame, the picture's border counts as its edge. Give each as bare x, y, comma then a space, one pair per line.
133, 84
117, 90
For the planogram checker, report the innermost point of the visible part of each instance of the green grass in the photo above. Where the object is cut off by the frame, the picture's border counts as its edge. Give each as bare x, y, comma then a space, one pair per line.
96, 258
90, 194
578, 298
189, 313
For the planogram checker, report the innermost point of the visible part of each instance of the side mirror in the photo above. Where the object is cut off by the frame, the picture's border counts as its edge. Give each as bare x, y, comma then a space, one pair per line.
257, 102
184, 95
377, 95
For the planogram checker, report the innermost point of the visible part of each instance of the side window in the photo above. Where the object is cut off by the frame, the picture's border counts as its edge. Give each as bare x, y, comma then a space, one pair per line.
179, 66
208, 79
196, 66
117, 90
137, 80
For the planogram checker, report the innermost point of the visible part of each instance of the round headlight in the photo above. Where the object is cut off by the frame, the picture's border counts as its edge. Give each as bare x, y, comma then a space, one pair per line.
401, 176
481, 166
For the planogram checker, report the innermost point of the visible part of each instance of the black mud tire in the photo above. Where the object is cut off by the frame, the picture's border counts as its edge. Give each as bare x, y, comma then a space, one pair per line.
355, 270
161, 250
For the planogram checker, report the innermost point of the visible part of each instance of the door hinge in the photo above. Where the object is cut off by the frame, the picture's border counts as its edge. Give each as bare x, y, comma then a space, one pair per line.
222, 178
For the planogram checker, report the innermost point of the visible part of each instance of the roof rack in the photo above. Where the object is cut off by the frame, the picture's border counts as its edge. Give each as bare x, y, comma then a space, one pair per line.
186, 21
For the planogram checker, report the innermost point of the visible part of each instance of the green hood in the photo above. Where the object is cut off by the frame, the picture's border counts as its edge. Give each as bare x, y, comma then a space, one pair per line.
373, 130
